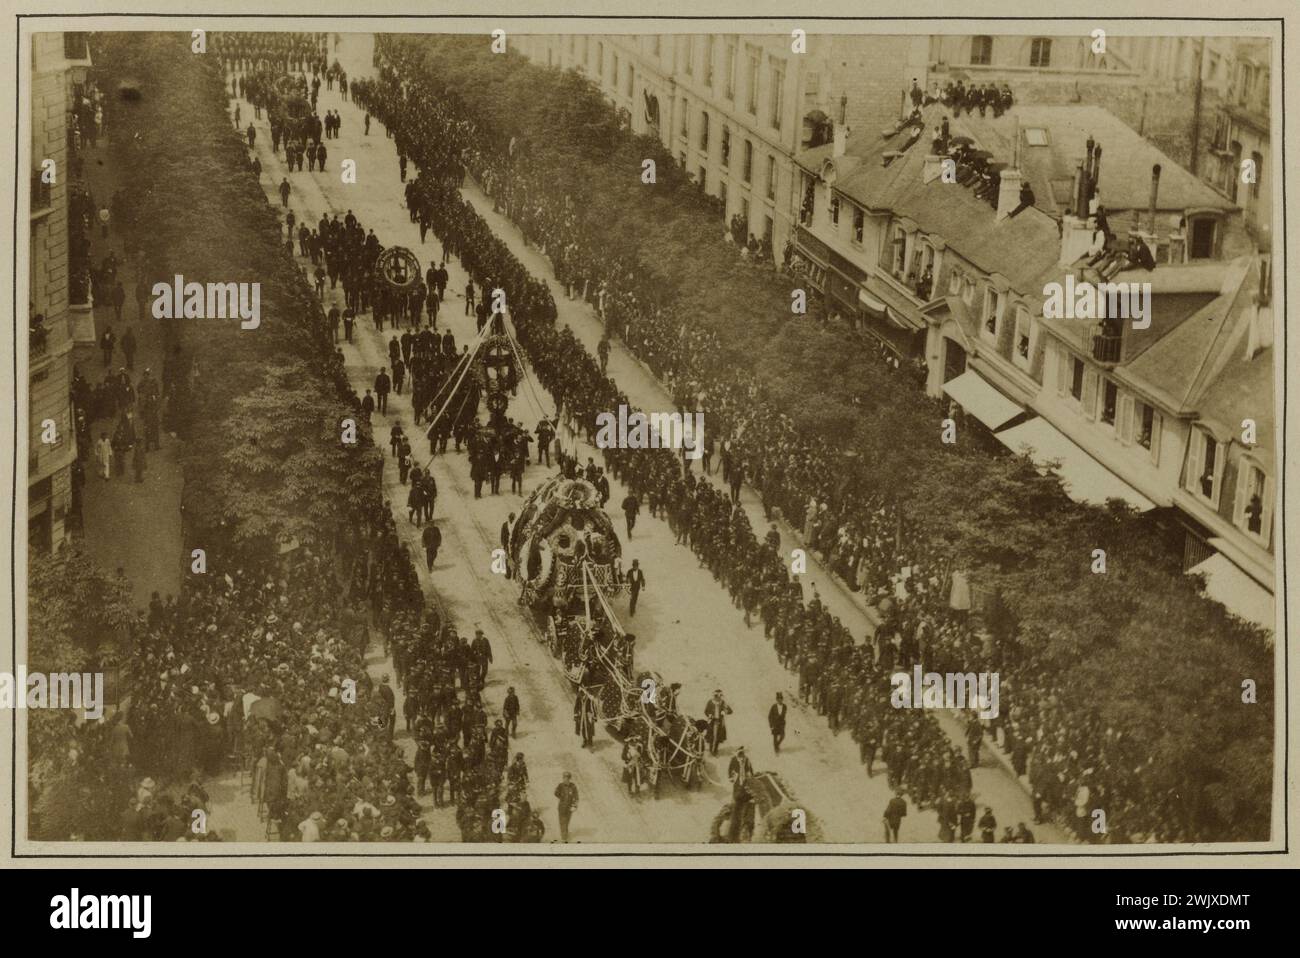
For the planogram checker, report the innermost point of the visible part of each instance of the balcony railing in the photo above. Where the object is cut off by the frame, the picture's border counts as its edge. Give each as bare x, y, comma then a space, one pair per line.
1107, 348
38, 342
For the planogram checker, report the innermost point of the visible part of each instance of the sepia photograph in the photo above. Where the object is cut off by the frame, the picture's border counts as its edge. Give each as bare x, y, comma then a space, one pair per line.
737, 436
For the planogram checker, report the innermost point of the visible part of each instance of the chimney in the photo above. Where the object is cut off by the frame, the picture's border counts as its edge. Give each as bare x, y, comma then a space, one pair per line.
1155, 193
1009, 193
841, 140
1148, 236
1259, 336
1094, 180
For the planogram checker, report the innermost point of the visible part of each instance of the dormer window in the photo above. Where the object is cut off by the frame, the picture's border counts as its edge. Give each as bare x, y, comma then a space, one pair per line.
1253, 509
1202, 237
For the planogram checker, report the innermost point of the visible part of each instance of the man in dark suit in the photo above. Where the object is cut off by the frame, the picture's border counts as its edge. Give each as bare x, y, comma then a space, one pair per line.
635, 583
432, 539
893, 818
505, 543
482, 650
776, 722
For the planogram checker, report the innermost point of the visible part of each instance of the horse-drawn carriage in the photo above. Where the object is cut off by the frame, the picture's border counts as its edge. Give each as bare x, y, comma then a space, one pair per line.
566, 556
562, 530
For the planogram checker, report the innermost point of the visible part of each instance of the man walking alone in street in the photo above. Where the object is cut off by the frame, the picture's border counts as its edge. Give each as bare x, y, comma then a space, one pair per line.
776, 722
631, 507
635, 583
567, 794
432, 539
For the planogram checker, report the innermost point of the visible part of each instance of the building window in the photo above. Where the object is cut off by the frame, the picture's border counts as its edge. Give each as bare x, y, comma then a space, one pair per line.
686, 119
600, 60
748, 172
690, 56
898, 252
954, 281
704, 130
726, 144
1203, 236
835, 210
1040, 52
859, 225
631, 80
708, 60
730, 71
769, 230
1254, 508
1257, 159
1023, 329
614, 74
1205, 466
992, 312
778, 95
981, 51
771, 177
751, 82
1146, 428
658, 45
1076, 378
1109, 401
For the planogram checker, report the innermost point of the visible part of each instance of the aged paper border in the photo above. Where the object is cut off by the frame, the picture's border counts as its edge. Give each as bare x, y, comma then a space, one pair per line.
1270, 18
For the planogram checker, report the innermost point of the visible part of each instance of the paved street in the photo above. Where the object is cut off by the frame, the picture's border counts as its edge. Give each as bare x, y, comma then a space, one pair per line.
687, 628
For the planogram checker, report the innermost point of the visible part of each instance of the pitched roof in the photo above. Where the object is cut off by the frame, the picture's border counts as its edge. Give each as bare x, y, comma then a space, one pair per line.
1195, 367
1127, 158
1023, 248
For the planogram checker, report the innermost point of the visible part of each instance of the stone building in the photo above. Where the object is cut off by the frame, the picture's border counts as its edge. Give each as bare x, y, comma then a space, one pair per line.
735, 109
59, 65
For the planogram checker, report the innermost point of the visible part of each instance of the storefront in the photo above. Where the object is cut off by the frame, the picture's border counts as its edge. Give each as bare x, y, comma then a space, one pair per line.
850, 291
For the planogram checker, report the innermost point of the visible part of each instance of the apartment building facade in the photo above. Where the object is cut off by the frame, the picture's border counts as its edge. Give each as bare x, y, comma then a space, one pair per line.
956, 280
1241, 146
59, 65
735, 109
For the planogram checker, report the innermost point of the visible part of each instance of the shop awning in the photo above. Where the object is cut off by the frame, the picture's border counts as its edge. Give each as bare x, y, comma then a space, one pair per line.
981, 400
869, 301
1236, 591
1086, 480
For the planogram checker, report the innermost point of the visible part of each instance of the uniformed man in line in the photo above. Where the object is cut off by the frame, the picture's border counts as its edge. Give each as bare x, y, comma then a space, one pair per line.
510, 712
389, 705
482, 651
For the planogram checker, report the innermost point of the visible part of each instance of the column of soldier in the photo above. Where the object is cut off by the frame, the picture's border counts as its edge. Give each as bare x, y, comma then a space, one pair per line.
853, 527
287, 52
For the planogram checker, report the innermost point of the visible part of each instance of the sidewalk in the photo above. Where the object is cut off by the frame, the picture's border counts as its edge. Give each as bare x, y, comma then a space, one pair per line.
134, 526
